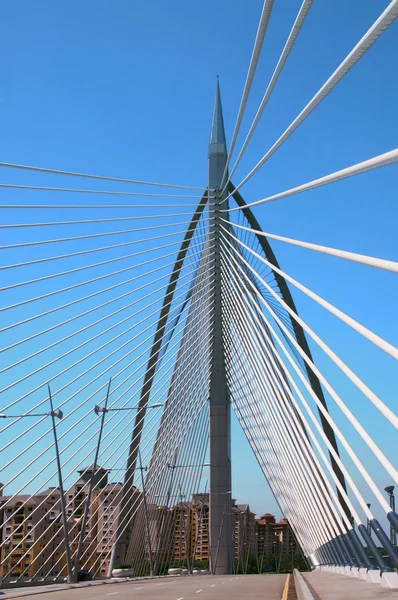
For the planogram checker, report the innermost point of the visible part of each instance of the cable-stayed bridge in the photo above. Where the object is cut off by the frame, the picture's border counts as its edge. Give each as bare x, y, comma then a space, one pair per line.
134, 324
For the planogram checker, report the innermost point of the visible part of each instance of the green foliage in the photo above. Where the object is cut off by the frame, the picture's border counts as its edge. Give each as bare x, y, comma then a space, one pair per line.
200, 564
268, 564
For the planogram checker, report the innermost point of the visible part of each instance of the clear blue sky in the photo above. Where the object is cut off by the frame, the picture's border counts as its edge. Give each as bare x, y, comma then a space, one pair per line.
126, 89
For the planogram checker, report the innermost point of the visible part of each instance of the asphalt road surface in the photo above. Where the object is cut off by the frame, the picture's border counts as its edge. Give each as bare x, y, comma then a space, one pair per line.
201, 587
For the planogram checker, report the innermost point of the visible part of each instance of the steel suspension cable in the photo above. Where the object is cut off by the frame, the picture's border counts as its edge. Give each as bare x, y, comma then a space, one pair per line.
81, 299
65, 433
306, 425
276, 424
371, 36
82, 344
99, 192
387, 158
342, 439
371, 261
361, 329
92, 235
306, 405
362, 503
289, 420
92, 280
298, 23
89, 176
90, 221
91, 250
258, 43
85, 267
377, 402
113, 352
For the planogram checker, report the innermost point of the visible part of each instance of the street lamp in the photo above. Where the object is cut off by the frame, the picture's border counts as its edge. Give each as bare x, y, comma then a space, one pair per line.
90, 487
142, 469
393, 534
171, 466
103, 410
58, 414
98, 409
54, 414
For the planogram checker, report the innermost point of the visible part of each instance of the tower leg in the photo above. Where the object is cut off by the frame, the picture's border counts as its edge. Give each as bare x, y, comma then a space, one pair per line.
220, 419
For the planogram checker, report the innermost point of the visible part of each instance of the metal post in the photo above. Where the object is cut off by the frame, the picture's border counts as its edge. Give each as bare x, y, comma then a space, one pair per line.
142, 469
162, 523
368, 527
91, 485
393, 534
61, 492
220, 426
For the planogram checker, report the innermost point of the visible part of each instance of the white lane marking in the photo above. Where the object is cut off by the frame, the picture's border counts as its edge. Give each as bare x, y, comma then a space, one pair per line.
180, 598
214, 585
112, 593
223, 582
140, 588
198, 591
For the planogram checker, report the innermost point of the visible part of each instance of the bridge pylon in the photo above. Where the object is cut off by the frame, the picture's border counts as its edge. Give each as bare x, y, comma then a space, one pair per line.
220, 412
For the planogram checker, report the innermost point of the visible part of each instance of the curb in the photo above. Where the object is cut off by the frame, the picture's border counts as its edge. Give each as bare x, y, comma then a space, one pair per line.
302, 590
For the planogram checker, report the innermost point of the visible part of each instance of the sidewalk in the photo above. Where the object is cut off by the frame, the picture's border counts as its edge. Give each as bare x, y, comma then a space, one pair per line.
331, 586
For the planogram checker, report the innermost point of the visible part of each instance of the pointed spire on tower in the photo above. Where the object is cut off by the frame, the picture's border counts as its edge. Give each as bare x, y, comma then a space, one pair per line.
218, 145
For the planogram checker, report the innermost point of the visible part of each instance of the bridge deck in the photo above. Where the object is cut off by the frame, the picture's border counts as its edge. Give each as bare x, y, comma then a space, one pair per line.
330, 586
253, 587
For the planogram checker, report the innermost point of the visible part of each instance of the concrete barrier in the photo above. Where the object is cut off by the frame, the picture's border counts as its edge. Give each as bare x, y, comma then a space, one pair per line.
302, 590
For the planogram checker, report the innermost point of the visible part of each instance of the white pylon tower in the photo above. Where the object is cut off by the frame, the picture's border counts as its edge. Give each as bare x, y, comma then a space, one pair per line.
220, 418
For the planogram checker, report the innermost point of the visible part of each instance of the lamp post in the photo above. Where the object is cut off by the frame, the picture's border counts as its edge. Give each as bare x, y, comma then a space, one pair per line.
58, 414
98, 409
142, 469
393, 534
90, 488
54, 414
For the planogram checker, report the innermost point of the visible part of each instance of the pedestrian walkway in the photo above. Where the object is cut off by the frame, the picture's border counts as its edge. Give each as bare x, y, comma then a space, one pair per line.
331, 586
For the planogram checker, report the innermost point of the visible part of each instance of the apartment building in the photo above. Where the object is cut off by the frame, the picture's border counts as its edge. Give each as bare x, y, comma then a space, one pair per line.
32, 535
33, 544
